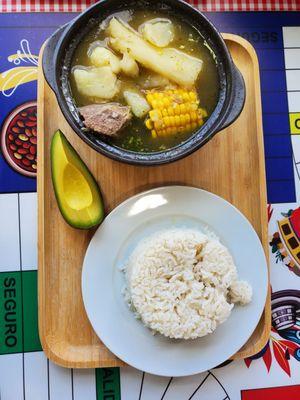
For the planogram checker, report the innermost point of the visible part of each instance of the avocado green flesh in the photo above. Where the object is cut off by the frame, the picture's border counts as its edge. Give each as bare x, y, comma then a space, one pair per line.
77, 193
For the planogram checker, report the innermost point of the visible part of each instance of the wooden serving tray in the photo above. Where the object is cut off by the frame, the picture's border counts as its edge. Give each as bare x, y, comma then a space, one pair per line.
230, 165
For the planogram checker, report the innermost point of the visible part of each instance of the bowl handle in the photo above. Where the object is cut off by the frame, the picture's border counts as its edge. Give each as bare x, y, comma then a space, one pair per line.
238, 98
48, 61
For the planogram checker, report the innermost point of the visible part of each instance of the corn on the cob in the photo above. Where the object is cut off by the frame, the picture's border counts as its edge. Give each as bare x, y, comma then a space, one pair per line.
173, 111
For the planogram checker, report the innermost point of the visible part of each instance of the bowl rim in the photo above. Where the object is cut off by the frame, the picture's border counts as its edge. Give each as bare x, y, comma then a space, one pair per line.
214, 123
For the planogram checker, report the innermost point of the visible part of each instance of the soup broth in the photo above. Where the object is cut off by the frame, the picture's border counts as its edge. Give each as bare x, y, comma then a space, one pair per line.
137, 135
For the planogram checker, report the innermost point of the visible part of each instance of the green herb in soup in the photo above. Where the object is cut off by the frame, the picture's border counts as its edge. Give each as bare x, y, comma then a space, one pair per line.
145, 81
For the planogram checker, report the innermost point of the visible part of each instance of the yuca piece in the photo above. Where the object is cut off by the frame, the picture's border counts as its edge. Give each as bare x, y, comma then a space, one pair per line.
171, 63
158, 31
137, 102
101, 57
98, 82
129, 66
152, 80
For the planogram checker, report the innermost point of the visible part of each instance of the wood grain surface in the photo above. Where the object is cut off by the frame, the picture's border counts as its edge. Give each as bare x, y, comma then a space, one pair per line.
230, 165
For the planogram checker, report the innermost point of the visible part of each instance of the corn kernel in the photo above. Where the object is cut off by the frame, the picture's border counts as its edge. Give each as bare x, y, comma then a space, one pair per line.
203, 112
154, 103
155, 115
177, 109
187, 107
164, 112
149, 98
166, 102
177, 120
194, 116
153, 134
152, 115
177, 100
193, 96
182, 108
158, 125
172, 120
167, 121
149, 124
182, 119
170, 111
185, 96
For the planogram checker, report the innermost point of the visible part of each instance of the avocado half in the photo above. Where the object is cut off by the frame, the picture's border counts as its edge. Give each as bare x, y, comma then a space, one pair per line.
77, 193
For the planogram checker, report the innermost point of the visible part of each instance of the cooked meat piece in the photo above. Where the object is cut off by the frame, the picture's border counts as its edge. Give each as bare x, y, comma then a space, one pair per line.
107, 119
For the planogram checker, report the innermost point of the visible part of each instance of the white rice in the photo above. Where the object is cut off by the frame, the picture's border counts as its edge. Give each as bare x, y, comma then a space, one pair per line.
183, 284
240, 292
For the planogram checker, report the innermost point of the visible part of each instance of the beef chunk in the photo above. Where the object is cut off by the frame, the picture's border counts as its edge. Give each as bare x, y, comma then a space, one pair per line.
107, 119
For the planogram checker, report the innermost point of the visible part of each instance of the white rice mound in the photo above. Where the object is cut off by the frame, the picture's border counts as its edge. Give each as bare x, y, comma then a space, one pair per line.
182, 283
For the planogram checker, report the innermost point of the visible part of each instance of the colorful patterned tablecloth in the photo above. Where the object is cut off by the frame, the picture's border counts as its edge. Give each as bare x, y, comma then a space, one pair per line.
25, 373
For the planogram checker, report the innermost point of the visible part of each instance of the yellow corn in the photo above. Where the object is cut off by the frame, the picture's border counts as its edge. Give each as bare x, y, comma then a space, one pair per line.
149, 124
158, 125
170, 111
183, 108
203, 112
194, 116
176, 109
173, 111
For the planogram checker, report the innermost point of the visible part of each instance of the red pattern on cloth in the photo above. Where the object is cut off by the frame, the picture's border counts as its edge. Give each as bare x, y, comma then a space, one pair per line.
203, 5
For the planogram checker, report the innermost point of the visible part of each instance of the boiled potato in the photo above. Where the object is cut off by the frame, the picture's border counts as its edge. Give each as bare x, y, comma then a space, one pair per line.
98, 82
137, 102
100, 56
150, 80
129, 66
175, 65
158, 31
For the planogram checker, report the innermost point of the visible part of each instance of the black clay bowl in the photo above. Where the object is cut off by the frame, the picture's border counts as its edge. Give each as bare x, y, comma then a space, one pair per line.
57, 63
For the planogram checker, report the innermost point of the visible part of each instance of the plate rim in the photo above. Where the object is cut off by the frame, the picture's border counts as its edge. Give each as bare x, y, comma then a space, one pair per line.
152, 191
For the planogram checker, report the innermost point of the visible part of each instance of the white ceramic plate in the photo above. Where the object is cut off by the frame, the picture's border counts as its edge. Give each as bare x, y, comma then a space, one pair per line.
102, 280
